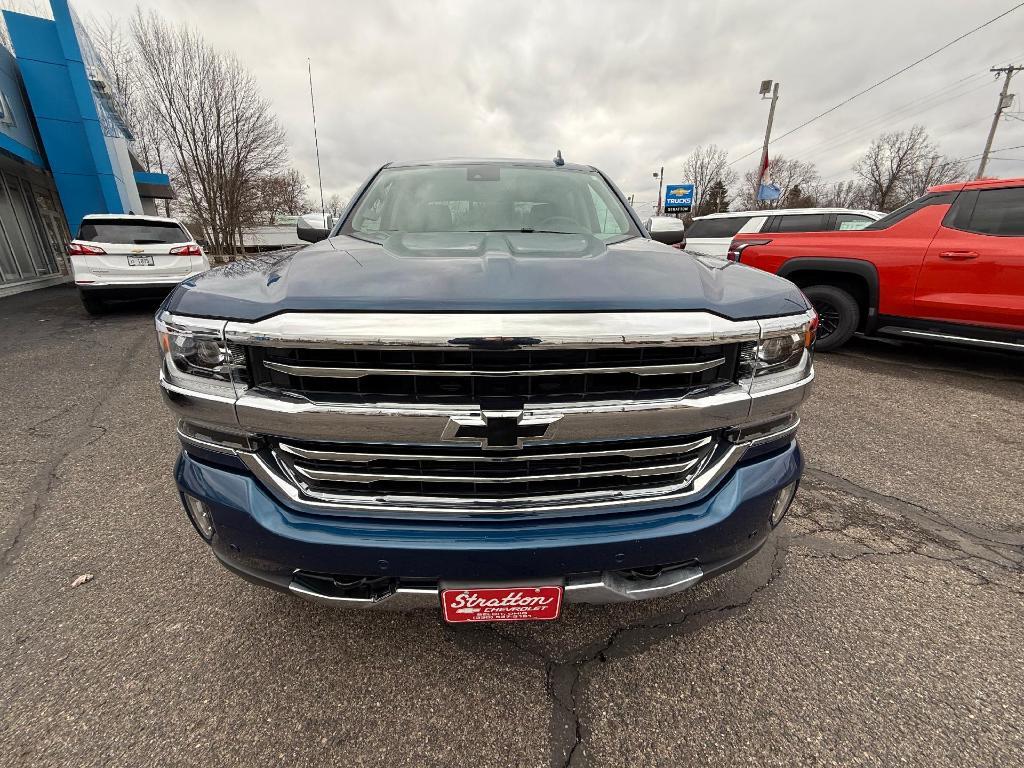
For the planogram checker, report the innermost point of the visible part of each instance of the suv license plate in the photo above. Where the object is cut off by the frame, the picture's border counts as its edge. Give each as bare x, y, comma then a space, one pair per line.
140, 261
504, 604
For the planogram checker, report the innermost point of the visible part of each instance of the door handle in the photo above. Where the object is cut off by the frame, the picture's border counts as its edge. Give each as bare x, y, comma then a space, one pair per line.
959, 255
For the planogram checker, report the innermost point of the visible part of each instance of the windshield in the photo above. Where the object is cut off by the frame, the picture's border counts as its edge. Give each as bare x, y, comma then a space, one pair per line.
489, 198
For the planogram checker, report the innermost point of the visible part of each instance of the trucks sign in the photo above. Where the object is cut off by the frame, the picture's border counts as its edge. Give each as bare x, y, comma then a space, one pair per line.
679, 197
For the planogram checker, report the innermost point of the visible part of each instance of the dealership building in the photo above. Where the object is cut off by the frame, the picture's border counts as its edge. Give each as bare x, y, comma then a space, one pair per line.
65, 147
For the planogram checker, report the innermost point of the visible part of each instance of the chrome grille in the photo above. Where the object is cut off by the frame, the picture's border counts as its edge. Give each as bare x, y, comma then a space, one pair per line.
515, 376
471, 476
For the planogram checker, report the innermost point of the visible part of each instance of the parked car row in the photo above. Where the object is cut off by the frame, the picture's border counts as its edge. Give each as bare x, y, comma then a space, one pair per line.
947, 267
713, 233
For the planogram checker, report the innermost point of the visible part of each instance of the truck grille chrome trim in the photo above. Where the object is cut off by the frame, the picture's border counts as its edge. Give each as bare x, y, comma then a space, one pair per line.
719, 463
356, 456
511, 330
370, 477
517, 376
358, 373
462, 477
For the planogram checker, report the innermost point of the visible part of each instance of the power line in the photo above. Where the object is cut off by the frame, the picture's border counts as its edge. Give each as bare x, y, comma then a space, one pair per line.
902, 112
886, 79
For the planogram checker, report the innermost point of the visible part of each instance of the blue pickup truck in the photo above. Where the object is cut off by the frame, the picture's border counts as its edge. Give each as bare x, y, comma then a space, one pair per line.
486, 389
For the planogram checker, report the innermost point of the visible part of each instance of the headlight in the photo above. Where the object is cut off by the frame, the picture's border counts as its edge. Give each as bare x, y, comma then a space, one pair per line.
778, 352
783, 354
196, 356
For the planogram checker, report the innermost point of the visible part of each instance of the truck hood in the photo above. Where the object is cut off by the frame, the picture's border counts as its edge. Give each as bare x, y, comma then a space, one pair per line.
483, 272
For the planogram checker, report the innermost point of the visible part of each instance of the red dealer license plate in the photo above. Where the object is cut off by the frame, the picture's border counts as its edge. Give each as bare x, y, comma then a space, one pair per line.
504, 604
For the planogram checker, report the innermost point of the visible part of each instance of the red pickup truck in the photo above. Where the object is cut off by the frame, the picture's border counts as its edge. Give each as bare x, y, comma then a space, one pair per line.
947, 267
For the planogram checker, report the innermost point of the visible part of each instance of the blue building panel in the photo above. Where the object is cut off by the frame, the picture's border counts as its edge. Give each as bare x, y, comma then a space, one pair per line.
37, 37
67, 148
20, 151
84, 139
144, 177
49, 91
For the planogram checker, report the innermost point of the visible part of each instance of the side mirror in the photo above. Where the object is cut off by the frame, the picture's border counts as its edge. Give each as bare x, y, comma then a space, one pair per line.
666, 229
313, 227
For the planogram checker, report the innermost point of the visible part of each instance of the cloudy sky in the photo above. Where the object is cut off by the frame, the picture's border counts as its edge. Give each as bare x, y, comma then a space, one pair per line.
627, 86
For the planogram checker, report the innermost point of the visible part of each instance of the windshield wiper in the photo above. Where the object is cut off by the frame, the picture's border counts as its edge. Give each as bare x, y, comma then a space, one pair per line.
525, 231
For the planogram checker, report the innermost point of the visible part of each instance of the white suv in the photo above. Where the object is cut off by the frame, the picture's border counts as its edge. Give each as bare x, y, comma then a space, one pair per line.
124, 256
712, 234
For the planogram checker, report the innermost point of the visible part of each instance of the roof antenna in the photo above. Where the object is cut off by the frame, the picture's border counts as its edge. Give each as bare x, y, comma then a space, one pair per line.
558, 158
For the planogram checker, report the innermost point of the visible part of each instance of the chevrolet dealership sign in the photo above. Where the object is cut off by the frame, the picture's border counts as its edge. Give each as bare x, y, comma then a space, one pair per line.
679, 197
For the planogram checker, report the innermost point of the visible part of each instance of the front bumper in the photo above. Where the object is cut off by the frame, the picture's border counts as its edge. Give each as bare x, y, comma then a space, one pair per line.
270, 543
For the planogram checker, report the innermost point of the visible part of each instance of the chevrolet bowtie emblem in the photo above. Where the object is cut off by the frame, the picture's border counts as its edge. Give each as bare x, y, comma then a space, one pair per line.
499, 429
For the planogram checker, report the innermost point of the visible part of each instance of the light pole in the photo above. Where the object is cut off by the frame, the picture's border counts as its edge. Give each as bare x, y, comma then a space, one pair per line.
660, 176
766, 85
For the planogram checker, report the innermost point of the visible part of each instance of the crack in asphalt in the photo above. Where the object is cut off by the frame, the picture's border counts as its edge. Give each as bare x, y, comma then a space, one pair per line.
86, 434
985, 541
564, 676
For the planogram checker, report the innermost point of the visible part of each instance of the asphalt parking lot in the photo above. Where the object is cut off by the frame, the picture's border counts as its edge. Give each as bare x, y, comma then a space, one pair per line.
881, 626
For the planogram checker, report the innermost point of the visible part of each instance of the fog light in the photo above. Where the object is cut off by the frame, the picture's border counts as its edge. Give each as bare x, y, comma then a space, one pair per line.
781, 504
199, 514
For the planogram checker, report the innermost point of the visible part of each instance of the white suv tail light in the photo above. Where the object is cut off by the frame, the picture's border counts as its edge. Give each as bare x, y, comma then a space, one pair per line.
81, 249
187, 250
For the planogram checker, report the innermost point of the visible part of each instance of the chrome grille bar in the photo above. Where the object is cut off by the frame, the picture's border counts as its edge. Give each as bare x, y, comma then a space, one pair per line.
371, 477
327, 372
471, 477
388, 453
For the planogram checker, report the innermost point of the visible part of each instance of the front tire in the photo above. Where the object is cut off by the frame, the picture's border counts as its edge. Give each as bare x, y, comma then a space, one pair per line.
93, 304
838, 315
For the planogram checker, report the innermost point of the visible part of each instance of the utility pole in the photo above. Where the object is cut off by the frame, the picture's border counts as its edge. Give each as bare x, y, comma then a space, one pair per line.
1005, 99
765, 85
661, 180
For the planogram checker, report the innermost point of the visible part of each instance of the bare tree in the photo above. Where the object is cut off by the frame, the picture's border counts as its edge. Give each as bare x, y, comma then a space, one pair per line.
281, 193
796, 179
930, 170
842, 194
335, 205
220, 131
116, 49
898, 166
704, 167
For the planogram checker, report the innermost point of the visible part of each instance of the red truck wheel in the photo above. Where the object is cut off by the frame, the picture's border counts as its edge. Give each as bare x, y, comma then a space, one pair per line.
838, 315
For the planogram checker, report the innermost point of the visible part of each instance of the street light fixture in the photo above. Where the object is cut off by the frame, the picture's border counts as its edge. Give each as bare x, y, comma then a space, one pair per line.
660, 176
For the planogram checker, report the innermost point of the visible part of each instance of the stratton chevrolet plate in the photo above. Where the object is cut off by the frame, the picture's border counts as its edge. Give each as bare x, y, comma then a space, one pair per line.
504, 604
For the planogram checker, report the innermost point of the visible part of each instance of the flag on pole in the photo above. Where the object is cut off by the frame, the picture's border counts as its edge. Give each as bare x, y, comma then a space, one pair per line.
766, 190
769, 192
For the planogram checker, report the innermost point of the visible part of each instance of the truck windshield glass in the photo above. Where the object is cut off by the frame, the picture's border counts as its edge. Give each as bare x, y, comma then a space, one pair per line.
489, 198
